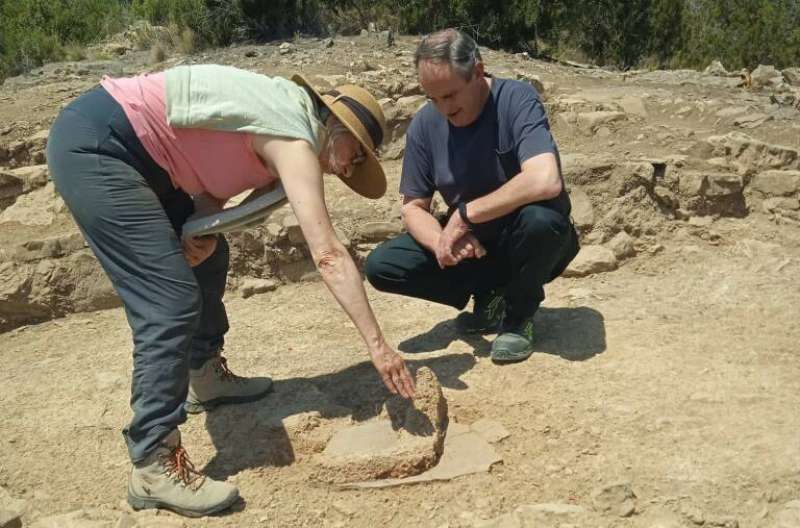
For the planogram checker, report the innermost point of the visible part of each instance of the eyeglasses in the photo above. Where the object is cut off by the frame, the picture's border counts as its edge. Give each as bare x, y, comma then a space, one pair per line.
360, 157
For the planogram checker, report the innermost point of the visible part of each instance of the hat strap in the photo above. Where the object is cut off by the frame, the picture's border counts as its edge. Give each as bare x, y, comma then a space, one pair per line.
363, 114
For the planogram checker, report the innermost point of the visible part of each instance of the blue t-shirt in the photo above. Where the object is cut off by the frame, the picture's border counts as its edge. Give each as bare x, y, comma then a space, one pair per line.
464, 163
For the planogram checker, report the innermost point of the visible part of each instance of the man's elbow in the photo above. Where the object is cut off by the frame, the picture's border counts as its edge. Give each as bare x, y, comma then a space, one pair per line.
553, 187
408, 212
547, 186
404, 213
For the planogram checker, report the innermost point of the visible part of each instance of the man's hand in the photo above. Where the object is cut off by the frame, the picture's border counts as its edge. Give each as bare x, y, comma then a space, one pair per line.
447, 252
393, 371
468, 247
198, 249
444, 252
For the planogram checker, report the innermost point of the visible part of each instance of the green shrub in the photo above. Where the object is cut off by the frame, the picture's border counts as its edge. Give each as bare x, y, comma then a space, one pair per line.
622, 33
35, 31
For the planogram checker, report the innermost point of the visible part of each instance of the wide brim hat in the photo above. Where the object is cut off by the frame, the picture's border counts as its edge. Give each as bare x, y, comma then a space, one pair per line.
362, 115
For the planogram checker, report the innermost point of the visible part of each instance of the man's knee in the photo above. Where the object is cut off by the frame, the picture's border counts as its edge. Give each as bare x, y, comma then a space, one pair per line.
377, 268
542, 225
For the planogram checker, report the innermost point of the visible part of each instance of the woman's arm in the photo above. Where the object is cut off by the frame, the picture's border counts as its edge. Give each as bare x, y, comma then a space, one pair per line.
298, 167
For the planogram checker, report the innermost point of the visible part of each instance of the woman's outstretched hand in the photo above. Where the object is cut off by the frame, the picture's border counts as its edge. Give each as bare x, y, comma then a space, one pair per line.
393, 371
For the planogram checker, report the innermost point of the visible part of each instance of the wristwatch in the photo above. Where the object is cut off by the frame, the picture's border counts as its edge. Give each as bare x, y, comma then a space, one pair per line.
462, 210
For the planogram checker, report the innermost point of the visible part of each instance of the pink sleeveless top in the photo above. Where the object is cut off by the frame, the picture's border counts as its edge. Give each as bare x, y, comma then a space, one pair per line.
197, 160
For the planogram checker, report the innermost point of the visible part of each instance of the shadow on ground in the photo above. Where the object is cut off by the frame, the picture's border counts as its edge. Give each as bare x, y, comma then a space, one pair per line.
253, 435
575, 334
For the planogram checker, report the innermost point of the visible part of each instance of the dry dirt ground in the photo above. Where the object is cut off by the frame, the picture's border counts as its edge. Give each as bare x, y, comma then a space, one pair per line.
675, 377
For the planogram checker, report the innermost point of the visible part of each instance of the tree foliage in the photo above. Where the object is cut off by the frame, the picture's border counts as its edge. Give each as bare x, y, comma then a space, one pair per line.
620, 33
32, 31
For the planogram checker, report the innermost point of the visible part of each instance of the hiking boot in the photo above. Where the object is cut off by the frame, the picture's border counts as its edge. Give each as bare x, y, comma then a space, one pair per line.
214, 384
167, 479
487, 313
515, 342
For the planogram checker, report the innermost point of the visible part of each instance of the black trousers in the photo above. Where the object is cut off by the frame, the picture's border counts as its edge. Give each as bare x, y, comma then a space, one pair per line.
532, 247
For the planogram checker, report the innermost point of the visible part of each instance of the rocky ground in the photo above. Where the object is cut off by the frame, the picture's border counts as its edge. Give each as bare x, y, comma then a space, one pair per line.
664, 392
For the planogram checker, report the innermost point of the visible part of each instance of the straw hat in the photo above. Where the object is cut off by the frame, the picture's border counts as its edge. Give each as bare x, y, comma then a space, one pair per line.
358, 110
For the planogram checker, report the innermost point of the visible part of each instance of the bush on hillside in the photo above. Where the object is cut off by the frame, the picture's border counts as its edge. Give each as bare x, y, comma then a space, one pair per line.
35, 31
621, 33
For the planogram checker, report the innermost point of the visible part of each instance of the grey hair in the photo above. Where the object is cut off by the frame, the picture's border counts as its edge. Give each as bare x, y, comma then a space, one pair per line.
331, 128
450, 46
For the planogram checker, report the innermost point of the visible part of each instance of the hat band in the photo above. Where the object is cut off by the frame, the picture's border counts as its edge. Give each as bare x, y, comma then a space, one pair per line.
365, 116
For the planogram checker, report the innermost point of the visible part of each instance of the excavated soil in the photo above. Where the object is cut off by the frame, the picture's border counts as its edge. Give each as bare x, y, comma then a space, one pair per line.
664, 393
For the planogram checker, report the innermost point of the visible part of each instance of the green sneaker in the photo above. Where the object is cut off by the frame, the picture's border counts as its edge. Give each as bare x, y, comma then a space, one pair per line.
486, 316
515, 343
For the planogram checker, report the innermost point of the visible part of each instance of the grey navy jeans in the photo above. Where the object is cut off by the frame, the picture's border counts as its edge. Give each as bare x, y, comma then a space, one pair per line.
131, 215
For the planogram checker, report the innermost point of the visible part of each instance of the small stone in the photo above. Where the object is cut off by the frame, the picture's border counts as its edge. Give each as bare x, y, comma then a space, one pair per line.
617, 499
274, 230
771, 205
387, 37
693, 514
722, 522
665, 196
591, 259
293, 230
344, 508
10, 187
773, 183
10, 519
582, 209
716, 68
603, 132
752, 120
792, 76
533, 80
622, 245
590, 121
379, 231
723, 185
766, 76
39, 139
701, 221
634, 105
253, 286
310, 276
32, 176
